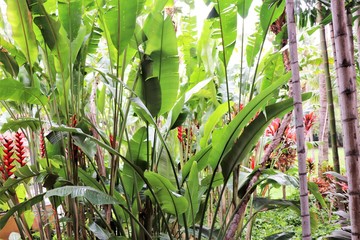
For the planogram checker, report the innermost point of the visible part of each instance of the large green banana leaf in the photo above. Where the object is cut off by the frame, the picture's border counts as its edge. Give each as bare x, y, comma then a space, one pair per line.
120, 19
162, 49
20, 19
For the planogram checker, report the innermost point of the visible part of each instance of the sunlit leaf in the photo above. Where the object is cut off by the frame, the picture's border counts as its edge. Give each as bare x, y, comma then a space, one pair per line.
12, 90
120, 19
93, 195
192, 194
162, 48
212, 121
251, 135
243, 7
226, 137
170, 201
70, 13
20, 19
15, 125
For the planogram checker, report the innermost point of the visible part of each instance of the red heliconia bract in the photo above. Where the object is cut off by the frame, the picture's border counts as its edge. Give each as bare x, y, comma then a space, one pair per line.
252, 162
42, 144
112, 141
7, 158
180, 133
20, 148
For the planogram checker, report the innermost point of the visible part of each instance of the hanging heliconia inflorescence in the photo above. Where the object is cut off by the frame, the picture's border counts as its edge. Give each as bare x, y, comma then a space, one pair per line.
10, 148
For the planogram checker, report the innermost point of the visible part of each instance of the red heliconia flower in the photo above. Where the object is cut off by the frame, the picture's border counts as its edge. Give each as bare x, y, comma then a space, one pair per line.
273, 127
7, 160
309, 120
42, 144
252, 162
241, 107
112, 142
180, 133
20, 148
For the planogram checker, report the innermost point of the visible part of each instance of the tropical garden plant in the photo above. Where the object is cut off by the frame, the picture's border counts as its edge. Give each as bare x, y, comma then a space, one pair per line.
141, 120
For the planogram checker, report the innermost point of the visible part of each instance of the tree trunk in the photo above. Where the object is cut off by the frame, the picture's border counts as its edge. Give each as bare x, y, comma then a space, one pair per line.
357, 27
323, 129
299, 124
348, 103
332, 121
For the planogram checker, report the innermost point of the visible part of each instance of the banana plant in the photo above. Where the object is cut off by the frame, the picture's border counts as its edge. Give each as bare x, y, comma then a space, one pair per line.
101, 89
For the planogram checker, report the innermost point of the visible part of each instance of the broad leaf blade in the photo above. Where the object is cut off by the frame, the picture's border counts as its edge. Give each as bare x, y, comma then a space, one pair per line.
9, 63
120, 19
243, 7
20, 19
54, 36
226, 137
251, 135
192, 194
212, 121
228, 26
170, 201
70, 13
162, 49
24, 174
20, 208
12, 90
15, 125
93, 195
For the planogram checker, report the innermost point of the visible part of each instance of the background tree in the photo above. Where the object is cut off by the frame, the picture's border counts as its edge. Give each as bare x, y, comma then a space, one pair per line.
349, 114
299, 124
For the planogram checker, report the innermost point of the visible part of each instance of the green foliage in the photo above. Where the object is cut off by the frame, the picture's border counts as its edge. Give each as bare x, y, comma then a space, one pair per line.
12, 90
123, 110
92, 195
8, 62
22, 123
170, 201
280, 221
22, 28
120, 15
251, 135
228, 27
162, 49
20, 208
70, 14
224, 141
192, 194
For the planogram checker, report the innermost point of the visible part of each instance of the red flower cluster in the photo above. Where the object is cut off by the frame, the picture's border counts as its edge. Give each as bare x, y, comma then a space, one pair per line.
9, 149
252, 162
20, 148
7, 163
180, 133
42, 144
